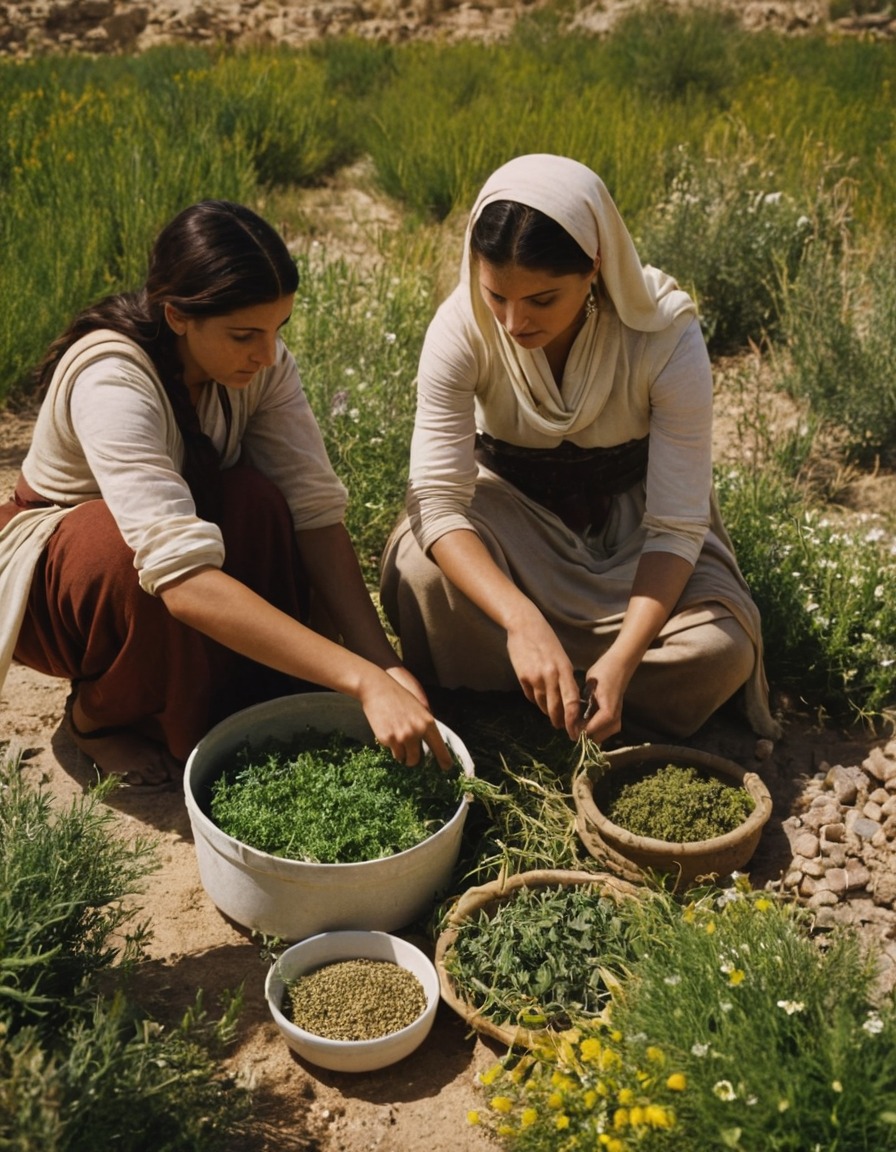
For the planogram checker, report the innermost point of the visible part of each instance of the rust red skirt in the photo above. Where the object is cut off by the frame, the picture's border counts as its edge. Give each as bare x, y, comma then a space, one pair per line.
89, 621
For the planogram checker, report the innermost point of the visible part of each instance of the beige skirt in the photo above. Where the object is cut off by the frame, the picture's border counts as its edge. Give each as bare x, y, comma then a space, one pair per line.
709, 649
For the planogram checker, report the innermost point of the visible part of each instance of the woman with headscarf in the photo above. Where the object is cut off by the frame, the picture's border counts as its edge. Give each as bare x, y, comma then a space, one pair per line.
177, 519
561, 523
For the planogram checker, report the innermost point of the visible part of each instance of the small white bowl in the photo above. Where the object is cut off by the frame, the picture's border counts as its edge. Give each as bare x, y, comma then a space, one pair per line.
328, 948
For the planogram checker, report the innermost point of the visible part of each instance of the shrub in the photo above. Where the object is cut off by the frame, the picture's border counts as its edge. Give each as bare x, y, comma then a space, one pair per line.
81, 1066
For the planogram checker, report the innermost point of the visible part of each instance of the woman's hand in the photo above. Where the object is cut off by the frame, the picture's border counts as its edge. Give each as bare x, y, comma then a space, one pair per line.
605, 685
544, 670
659, 581
400, 721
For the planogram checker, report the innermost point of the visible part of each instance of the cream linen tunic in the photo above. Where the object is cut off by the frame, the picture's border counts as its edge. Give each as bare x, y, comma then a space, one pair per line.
638, 367
106, 430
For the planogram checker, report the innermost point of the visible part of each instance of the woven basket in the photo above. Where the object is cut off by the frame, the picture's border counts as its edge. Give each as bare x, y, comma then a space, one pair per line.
489, 897
635, 857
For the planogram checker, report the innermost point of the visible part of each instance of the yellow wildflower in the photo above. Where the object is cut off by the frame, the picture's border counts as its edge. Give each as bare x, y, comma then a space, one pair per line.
615, 1145
636, 1116
490, 1075
763, 904
561, 1121
528, 1117
589, 1099
677, 1082
609, 1060
656, 1116
615, 1035
736, 976
501, 1104
620, 1118
655, 1054
710, 927
473, 1117
555, 1101
590, 1049
505, 1130
625, 1096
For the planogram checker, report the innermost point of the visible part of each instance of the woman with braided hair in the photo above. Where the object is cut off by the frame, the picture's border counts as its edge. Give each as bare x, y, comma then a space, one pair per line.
177, 528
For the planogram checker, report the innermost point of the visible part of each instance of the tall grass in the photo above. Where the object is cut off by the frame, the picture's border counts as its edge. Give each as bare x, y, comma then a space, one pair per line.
357, 334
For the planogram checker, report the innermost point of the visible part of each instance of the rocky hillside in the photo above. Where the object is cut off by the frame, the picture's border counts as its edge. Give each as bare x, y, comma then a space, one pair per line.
35, 27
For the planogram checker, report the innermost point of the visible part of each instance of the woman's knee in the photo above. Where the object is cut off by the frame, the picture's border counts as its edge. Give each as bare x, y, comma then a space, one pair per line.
691, 675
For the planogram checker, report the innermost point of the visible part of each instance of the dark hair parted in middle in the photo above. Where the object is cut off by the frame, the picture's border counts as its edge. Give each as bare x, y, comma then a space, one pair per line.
508, 232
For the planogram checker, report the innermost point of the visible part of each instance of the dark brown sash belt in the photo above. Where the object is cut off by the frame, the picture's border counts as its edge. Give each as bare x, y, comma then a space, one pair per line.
574, 483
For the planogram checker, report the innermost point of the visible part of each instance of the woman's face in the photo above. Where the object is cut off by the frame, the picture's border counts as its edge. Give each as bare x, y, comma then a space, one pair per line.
535, 308
230, 349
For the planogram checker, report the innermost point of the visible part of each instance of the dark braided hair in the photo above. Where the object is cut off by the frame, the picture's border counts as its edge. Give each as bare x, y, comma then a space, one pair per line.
212, 259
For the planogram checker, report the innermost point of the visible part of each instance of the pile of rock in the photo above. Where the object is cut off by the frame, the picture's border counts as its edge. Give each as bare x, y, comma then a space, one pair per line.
842, 840
39, 27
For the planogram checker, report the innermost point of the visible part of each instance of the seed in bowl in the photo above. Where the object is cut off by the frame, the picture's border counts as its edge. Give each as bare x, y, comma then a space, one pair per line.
355, 999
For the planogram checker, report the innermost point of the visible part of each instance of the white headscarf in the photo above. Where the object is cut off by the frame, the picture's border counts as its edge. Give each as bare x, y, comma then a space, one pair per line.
645, 298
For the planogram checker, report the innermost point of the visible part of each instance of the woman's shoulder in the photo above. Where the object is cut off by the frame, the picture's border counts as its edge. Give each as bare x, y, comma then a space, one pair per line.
453, 336
102, 347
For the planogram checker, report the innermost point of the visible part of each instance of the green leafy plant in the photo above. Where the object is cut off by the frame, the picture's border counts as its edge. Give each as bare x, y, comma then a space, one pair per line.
839, 321
82, 1066
65, 880
674, 803
328, 799
736, 1028
544, 958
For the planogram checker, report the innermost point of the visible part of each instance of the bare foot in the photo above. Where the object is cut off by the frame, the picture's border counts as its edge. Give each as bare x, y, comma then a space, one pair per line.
138, 761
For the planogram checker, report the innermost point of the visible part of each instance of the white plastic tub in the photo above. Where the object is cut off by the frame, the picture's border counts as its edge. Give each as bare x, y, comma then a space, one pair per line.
292, 899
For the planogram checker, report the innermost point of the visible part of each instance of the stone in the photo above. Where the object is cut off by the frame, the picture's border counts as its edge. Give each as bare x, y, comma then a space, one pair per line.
823, 898
833, 833
806, 844
872, 811
842, 784
883, 890
857, 875
835, 880
809, 866
878, 766
833, 856
861, 826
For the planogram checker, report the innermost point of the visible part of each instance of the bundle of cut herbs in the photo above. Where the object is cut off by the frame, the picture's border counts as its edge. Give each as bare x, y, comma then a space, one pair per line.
543, 958
331, 799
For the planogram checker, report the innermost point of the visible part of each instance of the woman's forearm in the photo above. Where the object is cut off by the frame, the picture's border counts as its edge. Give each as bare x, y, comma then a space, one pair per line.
330, 560
227, 611
466, 562
659, 582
